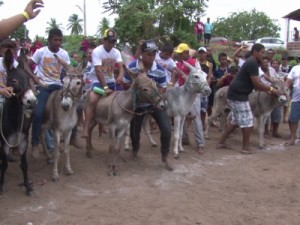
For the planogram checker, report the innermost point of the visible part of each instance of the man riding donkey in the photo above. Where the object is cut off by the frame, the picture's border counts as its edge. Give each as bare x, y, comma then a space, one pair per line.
104, 58
48, 78
156, 72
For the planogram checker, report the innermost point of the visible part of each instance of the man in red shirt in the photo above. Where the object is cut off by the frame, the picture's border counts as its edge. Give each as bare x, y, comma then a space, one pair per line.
199, 30
183, 52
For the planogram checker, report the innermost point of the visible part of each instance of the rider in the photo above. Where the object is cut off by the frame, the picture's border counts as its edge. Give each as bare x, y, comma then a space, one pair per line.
48, 71
158, 74
104, 58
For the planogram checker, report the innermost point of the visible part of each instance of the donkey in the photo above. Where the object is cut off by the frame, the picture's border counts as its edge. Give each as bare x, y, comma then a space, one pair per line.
261, 103
180, 101
61, 116
117, 110
16, 117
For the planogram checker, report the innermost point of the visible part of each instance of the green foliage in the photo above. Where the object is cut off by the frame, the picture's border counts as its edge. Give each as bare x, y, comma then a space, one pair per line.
72, 43
20, 33
75, 24
52, 24
103, 25
246, 26
293, 62
150, 19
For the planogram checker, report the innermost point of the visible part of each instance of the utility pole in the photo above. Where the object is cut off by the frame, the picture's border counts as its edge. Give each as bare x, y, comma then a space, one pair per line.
84, 16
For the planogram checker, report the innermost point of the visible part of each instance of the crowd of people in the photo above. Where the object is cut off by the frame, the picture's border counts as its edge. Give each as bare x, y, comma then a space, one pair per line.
247, 72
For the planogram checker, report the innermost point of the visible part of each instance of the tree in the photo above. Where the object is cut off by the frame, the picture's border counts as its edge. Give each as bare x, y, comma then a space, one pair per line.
153, 19
103, 25
52, 24
246, 25
75, 24
21, 32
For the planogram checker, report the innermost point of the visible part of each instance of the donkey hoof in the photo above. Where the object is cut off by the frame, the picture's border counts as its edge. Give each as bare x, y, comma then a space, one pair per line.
176, 156
55, 178
70, 172
89, 155
168, 167
127, 149
50, 161
154, 145
29, 191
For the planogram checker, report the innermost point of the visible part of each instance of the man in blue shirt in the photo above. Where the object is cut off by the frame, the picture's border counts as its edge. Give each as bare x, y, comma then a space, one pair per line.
158, 74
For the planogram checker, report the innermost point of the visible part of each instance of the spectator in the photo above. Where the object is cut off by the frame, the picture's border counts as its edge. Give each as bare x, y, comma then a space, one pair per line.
296, 34
208, 28
227, 78
75, 60
84, 44
293, 81
183, 51
237, 96
199, 30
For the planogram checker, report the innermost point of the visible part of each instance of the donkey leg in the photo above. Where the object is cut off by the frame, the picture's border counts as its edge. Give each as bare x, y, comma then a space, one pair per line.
146, 128
56, 137
89, 145
67, 137
182, 121
177, 121
3, 169
127, 139
24, 168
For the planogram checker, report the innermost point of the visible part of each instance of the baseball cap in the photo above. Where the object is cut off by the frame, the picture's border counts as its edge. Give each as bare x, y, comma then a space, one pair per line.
149, 46
202, 49
110, 35
182, 48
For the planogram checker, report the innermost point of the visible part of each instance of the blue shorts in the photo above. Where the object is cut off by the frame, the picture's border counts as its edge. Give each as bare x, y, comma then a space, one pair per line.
276, 115
111, 86
295, 112
241, 114
204, 103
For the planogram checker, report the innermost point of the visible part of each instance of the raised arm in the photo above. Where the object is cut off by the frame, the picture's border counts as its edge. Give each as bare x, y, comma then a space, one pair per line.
9, 25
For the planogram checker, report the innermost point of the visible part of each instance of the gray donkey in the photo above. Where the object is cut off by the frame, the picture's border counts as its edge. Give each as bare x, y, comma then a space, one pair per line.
117, 110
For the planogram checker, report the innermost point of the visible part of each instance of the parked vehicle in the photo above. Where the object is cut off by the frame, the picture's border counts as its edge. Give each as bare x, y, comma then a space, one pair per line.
223, 41
271, 42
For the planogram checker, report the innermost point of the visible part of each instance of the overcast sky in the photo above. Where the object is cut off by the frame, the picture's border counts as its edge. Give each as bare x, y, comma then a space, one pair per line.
62, 9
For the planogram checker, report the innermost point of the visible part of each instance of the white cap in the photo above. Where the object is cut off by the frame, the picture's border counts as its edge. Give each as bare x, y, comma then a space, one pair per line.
202, 49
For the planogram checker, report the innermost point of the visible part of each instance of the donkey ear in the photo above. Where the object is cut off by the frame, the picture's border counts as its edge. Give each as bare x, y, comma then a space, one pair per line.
62, 62
188, 65
131, 73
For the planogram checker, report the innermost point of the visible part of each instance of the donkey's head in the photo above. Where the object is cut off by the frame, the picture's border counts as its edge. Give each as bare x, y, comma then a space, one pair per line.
279, 85
72, 88
72, 84
18, 79
146, 89
196, 81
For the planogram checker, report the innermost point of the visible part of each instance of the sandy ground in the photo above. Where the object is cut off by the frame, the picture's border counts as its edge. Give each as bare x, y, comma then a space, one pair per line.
221, 187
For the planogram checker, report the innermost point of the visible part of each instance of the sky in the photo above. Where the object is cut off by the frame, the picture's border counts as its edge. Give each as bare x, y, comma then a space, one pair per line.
63, 9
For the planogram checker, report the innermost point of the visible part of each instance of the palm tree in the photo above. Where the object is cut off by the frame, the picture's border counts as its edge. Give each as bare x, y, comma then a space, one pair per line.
103, 25
75, 24
52, 24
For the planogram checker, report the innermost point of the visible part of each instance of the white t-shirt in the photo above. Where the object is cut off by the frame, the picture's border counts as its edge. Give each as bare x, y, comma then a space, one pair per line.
3, 75
107, 60
167, 64
47, 66
273, 74
294, 75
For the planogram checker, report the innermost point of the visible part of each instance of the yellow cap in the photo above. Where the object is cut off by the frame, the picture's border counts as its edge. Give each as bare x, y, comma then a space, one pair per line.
181, 48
